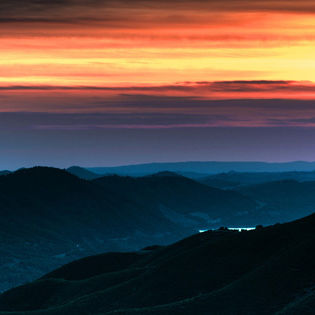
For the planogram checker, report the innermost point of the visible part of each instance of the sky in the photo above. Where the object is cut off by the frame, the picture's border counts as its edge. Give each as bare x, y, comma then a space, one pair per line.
112, 82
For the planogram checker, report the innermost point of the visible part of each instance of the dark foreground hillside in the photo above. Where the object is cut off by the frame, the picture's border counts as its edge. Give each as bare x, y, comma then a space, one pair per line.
266, 271
50, 217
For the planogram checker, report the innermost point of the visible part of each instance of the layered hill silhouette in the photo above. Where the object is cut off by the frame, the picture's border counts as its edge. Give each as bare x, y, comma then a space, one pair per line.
232, 180
182, 200
285, 199
196, 169
269, 270
52, 217
82, 173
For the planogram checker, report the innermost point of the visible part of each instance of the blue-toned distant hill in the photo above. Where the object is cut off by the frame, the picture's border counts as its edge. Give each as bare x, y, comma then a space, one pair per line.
266, 271
82, 173
51, 216
184, 201
286, 197
231, 180
198, 169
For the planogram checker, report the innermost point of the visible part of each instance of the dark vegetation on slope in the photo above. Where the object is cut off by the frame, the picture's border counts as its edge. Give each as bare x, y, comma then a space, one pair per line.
266, 271
52, 217
174, 194
285, 199
236, 179
4, 173
53, 195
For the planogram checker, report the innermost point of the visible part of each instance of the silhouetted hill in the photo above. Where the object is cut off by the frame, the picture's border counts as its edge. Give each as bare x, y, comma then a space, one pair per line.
182, 200
82, 173
265, 271
211, 167
231, 180
4, 173
52, 217
165, 174
53, 192
285, 199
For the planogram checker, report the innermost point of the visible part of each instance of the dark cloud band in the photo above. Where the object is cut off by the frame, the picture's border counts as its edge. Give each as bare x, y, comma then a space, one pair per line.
74, 11
223, 86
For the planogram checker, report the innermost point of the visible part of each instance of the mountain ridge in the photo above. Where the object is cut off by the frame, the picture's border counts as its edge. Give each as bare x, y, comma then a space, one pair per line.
266, 271
53, 217
205, 167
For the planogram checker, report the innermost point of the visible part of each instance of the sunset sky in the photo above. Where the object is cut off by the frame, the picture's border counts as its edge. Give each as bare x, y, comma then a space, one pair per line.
96, 82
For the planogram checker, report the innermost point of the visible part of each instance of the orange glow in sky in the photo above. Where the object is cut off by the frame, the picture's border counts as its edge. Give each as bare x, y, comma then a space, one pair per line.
147, 69
106, 49
157, 46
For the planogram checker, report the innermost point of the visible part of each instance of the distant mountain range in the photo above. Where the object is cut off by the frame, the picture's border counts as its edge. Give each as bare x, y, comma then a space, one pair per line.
199, 169
83, 173
286, 198
226, 180
231, 180
266, 271
52, 217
